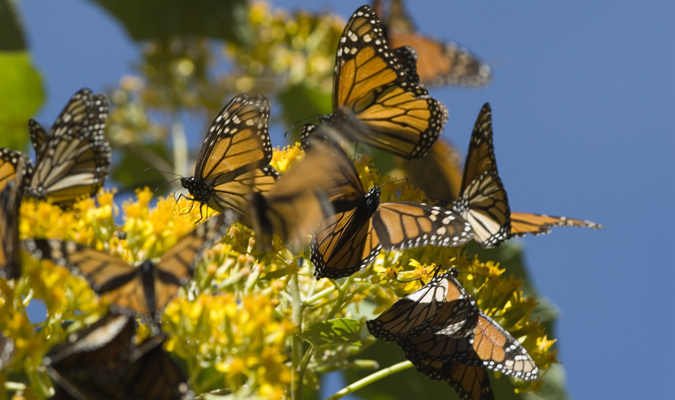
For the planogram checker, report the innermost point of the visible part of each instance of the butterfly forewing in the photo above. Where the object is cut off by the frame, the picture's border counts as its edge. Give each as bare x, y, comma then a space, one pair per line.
10, 205
344, 244
403, 225
540, 224
237, 141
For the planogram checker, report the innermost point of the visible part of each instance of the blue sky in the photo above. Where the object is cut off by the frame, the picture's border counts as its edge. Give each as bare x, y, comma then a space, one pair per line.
583, 102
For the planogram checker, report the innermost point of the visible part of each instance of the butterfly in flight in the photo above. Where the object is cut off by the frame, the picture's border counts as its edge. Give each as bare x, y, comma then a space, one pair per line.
300, 200
374, 101
141, 291
234, 159
102, 361
361, 226
10, 204
441, 305
439, 62
483, 200
72, 161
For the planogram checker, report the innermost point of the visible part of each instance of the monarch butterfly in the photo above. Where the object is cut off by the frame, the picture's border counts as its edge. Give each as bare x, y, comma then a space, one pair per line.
300, 200
373, 100
489, 345
73, 160
234, 158
10, 203
442, 305
483, 200
143, 290
11, 163
470, 382
361, 226
439, 62
102, 362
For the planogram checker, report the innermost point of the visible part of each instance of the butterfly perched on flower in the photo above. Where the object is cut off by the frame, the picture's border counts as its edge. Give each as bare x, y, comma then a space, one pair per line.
234, 159
374, 101
72, 161
142, 290
102, 361
351, 239
483, 200
439, 62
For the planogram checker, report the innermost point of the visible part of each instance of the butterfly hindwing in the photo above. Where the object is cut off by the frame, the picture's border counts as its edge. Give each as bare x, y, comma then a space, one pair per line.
403, 225
470, 382
10, 205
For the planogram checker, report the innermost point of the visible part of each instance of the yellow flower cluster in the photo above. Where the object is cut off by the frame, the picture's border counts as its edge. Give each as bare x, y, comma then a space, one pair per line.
234, 323
239, 336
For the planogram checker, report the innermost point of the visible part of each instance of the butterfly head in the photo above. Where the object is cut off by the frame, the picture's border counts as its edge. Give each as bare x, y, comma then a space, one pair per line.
372, 199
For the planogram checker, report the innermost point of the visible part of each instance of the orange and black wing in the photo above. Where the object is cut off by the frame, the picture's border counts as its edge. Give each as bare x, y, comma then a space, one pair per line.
372, 98
540, 224
483, 201
441, 305
403, 225
235, 155
344, 243
10, 205
73, 161
407, 56
470, 382
11, 162
440, 63
438, 174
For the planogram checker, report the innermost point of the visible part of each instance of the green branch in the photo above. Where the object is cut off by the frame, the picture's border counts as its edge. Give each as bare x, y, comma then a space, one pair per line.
371, 379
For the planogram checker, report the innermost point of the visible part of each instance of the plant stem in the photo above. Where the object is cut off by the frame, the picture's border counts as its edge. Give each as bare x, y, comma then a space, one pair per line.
296, 345
180, 145
342, 292
371, 379
320, 295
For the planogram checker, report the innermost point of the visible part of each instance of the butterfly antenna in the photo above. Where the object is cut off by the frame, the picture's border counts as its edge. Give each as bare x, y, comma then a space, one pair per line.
164, 184
396, 181
164, 172
300, 122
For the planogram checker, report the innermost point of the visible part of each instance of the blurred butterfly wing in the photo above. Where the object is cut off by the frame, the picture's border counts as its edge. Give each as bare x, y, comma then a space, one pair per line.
439, 62
403, 225
345, 243
119, 283
443, 303
438, 174
470, 382
434, 347
176, 267
498, 350
154, 375
10, 205
231, 195
484, 203
442, 63
237, 141
539, 224
74, 160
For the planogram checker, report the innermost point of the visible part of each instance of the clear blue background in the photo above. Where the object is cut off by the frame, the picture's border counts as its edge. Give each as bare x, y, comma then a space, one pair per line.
583, 104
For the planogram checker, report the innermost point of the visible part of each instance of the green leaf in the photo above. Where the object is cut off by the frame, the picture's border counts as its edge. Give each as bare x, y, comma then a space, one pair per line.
160, 19
11, 34
20, 97
334, 331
